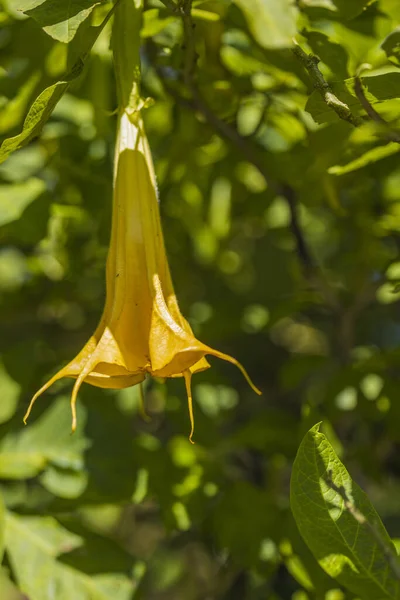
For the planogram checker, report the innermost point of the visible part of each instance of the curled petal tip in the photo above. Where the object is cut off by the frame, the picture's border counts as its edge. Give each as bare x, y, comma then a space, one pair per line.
74, 421
241, 368
188, 379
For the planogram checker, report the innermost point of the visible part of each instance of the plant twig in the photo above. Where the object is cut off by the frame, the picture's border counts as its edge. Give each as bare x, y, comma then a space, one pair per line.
392, 136
302, 249
310, 62
362, 520
191, 56
369, 109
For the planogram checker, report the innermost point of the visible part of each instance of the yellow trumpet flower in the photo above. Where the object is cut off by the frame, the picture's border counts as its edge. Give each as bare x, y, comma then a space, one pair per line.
142, 329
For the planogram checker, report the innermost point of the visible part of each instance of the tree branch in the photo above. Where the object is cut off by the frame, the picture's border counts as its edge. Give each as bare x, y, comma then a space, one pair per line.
310, 63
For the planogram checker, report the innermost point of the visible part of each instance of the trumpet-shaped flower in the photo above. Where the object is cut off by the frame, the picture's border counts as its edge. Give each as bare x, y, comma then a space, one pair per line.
141, 329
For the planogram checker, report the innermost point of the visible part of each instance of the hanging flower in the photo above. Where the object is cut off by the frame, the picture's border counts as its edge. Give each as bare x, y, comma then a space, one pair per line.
142, 329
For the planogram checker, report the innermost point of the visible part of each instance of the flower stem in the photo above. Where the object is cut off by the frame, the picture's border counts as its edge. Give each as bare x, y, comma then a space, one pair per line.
126, 52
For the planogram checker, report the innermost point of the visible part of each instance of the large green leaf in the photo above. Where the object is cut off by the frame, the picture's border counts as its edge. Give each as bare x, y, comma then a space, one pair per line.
45, 103
59, 19
49, 561
346, 549
272, 22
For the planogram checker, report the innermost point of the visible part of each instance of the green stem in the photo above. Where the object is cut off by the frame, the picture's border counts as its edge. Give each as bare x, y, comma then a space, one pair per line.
126, 52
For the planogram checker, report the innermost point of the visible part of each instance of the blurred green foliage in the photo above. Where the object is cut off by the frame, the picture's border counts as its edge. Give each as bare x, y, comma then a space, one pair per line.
128, 509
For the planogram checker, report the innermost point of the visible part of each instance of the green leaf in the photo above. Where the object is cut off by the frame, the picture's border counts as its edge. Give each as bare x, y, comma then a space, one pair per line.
45, 103
59, 19
272, 22
53, 570
15, 198
345, 549
64, 483
330, 53
37, 116
369, 157
46, 441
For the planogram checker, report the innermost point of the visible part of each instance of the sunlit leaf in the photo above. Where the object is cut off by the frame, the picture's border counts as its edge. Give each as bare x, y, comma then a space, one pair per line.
59, 19
45, 103
346, 549
272, 22
50, 548
38, 114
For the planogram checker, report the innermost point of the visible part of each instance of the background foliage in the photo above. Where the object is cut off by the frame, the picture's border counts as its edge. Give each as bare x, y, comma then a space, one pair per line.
282, 221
